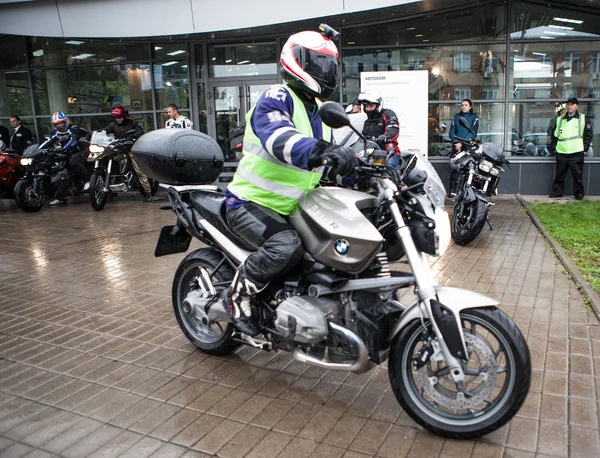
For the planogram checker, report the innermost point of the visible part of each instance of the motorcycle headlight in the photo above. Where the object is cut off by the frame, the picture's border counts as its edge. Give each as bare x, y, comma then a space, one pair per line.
26, 161
495, 171
96, 149
485, 166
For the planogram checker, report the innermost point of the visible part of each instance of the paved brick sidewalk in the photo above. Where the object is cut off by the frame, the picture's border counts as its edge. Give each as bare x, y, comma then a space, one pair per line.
92, 362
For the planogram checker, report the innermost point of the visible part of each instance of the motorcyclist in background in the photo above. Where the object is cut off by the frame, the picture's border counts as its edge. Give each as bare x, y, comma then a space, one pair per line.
282, 145
381, 124
120, 127
67, 136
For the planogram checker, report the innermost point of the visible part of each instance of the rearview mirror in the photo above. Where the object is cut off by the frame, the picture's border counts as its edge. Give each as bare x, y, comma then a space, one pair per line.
334, 115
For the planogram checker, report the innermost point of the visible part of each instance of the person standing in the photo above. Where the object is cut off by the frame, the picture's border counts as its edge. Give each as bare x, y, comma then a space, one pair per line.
458, 132
21, 137
571, 137
176, 120
381, 124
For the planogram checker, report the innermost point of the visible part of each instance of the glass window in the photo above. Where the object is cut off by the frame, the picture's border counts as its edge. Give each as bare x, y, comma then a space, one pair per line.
555, 70
532, 122
15, 96
242, 60
531, 21
199, 61
482, 78
93, 89
50, 52
491, 124
12, 50
475, 23
202, 114
171, 84
169, 51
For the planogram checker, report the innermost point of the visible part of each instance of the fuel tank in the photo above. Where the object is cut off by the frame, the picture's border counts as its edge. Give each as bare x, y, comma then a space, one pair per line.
334, 230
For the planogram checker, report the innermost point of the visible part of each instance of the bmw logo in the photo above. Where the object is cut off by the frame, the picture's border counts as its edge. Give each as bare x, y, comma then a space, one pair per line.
342, 246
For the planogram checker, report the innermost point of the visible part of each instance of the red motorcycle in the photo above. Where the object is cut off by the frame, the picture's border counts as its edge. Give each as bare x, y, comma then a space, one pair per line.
10, 172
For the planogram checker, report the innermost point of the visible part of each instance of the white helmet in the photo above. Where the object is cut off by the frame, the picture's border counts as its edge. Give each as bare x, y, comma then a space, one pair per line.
309, 62
371, 97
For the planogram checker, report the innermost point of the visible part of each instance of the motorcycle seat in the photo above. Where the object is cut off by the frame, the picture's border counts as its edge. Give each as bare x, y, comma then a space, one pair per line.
211, 206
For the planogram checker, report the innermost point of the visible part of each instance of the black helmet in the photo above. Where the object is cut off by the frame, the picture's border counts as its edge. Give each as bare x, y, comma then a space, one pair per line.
309, 62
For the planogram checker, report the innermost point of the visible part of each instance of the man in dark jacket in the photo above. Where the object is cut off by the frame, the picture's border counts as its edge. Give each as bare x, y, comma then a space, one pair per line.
381, 124
119, 127
570, 139
21, 137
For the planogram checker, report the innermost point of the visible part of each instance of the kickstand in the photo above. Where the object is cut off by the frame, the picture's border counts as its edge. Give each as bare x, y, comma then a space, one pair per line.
487, 220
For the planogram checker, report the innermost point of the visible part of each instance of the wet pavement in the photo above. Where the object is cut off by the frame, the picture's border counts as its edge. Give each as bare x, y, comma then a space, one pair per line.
92, 362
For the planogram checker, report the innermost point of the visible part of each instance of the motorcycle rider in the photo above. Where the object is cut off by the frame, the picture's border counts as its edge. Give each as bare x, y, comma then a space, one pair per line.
176, 120
381, 124
119, 126
67, 136
282, 145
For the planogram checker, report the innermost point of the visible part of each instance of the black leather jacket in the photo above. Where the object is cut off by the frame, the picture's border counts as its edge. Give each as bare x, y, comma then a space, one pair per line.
118, 130
384, 122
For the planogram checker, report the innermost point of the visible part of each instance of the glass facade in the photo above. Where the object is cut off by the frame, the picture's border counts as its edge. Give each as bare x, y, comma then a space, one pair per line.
517, 61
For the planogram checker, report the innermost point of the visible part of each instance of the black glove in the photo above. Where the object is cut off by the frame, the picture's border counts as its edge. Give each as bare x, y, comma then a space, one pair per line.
382, 139
340, 159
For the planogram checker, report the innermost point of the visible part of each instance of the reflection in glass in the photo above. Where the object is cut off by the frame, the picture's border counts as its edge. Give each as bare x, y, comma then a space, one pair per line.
227, 111
242, 60
169, 51
50, 52
491, 125
202, 114
455, 72
555, 70
12, 50
15, 96
481, 22
171, 84
542, 22
93, 89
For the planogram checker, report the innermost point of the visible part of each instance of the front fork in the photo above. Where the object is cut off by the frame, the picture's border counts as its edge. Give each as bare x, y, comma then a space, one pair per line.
425, 286
98, 169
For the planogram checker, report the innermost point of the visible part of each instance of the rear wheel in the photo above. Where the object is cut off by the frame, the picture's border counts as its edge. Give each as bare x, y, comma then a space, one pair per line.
496, 381
98, 196
468, 221
27, 198
216, 337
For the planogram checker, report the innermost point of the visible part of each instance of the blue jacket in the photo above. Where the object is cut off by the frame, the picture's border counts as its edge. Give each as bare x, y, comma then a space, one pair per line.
457, 130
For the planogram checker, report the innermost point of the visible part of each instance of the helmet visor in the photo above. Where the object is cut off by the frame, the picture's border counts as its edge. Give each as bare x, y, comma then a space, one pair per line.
322, 67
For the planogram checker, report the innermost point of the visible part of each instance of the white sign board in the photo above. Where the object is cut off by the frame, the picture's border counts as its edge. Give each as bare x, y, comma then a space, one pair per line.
407, 93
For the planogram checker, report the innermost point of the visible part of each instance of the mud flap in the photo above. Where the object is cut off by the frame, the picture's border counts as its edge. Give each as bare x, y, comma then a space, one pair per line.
172, 239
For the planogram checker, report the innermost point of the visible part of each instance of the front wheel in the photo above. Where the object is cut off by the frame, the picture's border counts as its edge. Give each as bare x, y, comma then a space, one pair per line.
27, 198
496, 382
216, 337
468, 221
98, 196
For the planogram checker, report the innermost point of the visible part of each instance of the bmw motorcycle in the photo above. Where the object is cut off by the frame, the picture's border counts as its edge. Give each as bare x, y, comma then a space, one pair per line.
47, 176
457, 364
112, 168
479, 170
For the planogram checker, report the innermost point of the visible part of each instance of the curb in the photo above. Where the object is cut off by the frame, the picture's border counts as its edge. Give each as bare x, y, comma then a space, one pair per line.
579, 279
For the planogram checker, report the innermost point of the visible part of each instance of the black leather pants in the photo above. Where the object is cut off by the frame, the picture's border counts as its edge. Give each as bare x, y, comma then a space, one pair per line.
278, 246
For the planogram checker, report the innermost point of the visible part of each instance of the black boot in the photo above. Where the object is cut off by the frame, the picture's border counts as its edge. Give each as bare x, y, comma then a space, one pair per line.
237, 301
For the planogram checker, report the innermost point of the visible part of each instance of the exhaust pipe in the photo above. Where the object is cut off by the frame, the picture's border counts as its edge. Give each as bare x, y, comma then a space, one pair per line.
360, 365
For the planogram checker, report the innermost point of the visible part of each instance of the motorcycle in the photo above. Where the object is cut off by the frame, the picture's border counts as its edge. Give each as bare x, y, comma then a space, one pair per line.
479, 170
47, 175
457, 364
112, 168
10, 172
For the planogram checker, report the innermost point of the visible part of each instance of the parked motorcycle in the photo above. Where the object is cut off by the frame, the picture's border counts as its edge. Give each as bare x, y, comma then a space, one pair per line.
457, 364
47, 175
112, 168
479, 168
10, 171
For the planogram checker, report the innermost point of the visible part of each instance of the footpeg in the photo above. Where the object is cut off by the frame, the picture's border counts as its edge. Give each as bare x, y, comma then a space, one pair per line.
256, 343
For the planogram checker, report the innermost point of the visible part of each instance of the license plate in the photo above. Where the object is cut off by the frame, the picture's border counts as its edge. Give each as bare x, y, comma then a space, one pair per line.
172, 239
